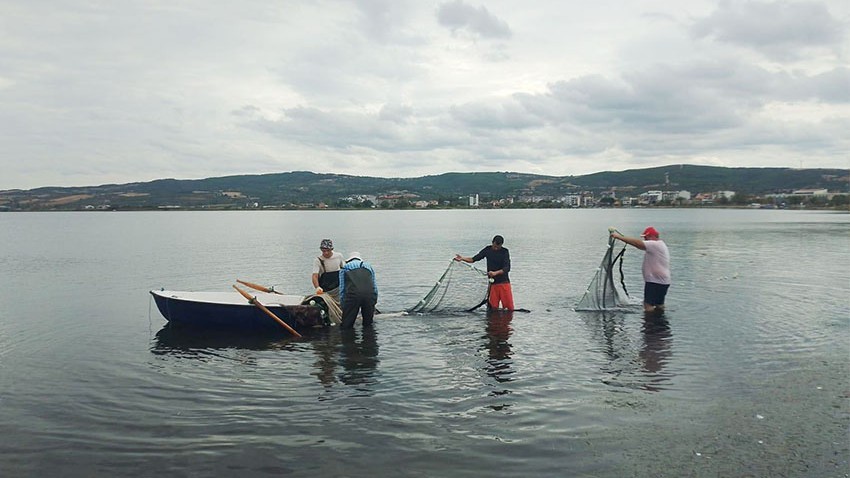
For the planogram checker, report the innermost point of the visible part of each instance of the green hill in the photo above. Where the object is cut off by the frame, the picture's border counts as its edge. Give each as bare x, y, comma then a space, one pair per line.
307, 189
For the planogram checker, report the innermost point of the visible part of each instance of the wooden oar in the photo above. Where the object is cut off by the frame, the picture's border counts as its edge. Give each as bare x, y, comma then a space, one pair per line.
253, 300
259, 287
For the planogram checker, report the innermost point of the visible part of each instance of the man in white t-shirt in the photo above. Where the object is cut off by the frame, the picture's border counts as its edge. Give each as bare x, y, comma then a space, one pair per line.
656, 267
326, 269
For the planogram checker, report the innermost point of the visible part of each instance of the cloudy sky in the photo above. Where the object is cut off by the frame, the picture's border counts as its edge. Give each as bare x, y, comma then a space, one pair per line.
116, 91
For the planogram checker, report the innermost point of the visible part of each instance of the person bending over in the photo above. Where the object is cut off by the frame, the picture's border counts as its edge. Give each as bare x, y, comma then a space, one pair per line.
358, 291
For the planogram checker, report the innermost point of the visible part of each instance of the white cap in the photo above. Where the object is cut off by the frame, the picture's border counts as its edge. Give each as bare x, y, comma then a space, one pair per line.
352, 256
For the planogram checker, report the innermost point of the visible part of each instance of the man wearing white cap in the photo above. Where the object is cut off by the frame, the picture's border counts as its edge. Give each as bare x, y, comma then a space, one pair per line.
358, 291
656, 267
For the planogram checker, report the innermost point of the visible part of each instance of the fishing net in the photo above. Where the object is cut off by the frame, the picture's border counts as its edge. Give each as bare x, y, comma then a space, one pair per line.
603, 293
328, 304
461, 288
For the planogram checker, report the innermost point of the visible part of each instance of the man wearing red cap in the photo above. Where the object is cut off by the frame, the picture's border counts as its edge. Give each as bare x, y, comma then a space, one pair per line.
656, 267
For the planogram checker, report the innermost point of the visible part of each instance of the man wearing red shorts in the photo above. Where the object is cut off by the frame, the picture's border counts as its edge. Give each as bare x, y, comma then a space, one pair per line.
498, 266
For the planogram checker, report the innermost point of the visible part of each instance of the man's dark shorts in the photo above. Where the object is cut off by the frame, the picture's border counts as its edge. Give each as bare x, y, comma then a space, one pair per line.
653, 294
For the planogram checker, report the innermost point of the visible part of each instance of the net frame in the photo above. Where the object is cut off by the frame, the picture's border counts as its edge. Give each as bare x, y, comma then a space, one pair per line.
461, 288
603, 293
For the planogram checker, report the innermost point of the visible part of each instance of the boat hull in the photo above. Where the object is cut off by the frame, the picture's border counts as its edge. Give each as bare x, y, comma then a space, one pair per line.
214, 310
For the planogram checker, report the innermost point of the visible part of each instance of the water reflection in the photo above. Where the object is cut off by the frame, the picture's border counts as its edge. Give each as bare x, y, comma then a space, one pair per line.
192, 342
636, 361
499, 364
348, 356
656, 343
358, 356
326, 349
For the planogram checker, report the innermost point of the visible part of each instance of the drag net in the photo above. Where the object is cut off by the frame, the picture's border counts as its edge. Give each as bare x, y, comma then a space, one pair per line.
461, 288
603, 293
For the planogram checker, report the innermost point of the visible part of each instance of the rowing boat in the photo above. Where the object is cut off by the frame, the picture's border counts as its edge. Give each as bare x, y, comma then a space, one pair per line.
229, 310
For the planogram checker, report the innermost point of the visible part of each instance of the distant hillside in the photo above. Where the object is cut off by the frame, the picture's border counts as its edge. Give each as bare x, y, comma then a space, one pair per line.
307, 189
711, 178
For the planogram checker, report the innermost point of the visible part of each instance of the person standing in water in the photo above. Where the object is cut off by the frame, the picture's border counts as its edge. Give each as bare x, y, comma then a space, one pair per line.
358, 291
498, 267
656, 267
326, 269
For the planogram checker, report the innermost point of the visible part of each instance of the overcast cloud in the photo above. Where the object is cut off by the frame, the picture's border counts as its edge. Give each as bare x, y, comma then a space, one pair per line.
116, 91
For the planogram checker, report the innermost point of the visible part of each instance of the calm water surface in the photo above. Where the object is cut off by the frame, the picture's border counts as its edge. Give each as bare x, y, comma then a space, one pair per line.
748, 376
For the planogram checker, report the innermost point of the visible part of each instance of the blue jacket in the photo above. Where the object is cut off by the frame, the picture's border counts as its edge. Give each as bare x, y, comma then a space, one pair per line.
353, 282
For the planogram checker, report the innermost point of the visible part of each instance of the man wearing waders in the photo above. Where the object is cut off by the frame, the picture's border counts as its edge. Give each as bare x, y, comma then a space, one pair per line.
358, 291
326, 269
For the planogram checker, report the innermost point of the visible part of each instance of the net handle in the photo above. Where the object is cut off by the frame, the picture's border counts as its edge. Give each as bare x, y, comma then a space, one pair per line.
471, 266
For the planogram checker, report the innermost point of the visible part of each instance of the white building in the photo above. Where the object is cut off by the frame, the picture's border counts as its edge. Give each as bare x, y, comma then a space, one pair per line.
810, 192
572, 200
673, 196
651, 197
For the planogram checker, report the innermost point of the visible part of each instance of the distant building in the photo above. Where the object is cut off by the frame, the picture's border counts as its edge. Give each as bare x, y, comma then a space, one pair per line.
360, 198
535, 199
573, 200
675, 196
651, 197
473, 200
704, 198
810, 192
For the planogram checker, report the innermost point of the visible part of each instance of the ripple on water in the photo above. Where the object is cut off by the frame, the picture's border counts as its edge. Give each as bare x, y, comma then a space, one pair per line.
756, 327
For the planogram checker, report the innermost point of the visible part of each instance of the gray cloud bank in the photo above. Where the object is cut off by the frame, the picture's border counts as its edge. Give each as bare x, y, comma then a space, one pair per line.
125, 91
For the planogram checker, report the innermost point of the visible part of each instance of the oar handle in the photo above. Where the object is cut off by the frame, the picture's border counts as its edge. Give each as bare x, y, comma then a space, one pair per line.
258, 287
253, 300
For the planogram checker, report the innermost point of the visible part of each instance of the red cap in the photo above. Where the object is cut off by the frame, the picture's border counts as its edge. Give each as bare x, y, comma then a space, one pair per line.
649, 231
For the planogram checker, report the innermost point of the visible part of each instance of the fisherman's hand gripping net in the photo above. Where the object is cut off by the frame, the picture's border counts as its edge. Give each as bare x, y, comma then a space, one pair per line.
461, 288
